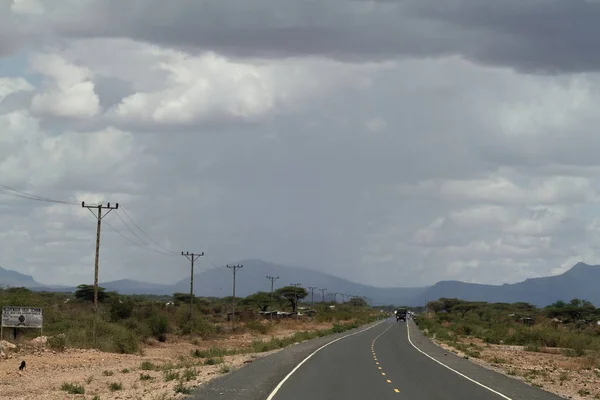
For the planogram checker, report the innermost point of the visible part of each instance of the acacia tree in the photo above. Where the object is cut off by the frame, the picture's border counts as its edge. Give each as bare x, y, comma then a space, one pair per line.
292, 294
261, 300
86, 293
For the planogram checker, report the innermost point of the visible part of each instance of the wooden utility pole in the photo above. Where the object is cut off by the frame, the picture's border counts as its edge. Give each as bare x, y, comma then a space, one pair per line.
99, 217
272, 279
323, 293
312, 294
192, 257
295, 285
334, 297
234, 268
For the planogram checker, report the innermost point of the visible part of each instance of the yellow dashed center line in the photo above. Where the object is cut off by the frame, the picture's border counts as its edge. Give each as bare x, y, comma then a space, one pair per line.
377, 363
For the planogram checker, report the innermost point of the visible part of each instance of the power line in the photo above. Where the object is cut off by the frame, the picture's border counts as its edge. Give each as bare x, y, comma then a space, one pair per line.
145, 244
10, 191
145, 234
134, 242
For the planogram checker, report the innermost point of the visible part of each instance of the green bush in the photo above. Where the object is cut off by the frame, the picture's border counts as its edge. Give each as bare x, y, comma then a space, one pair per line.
159, 326
120, 309
58, 342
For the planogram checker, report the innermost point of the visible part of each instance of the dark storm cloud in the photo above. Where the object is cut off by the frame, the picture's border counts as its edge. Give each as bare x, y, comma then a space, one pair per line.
532, 35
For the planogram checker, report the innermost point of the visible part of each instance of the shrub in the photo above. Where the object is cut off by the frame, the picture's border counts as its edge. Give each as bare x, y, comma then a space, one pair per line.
58, 342
159, 326
72, 388
120, 309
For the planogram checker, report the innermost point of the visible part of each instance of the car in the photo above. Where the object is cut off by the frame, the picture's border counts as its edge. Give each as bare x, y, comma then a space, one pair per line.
400, 314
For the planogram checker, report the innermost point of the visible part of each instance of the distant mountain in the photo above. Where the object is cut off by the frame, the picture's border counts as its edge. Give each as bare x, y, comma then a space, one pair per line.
581, 281
128, 286
9, 278
253, 278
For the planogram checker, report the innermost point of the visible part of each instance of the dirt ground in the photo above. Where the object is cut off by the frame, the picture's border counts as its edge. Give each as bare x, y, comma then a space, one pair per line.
575, 378
119, 376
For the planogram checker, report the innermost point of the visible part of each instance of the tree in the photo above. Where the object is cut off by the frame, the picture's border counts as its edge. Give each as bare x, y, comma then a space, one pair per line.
86, 293
182, 297
358, 302
292, 294
261, 300
435, 306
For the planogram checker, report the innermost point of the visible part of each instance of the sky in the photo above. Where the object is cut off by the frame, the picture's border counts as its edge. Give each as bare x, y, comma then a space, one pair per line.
389, 142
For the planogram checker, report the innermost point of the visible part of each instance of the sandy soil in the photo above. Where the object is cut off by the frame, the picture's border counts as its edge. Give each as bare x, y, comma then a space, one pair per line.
575, 378
48, 370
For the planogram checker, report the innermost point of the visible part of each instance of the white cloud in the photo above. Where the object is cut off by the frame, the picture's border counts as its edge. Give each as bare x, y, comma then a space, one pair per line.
27, 7
69, 91
9, 86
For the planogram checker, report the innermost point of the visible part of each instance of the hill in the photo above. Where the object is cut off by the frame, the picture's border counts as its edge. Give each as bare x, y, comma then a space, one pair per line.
581, 281
9, 278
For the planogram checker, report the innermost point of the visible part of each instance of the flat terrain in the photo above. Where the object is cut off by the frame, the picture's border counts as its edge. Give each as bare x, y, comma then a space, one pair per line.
153, 375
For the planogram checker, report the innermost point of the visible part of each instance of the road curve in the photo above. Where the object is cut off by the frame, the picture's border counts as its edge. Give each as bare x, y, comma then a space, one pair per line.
386, 363
388, 360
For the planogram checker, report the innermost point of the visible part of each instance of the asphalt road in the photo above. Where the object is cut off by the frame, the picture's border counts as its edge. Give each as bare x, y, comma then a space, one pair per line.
381, 363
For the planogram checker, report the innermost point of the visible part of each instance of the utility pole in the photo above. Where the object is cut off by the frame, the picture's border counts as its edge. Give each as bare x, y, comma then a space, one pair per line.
234, 268
99, 217
295, 285
312, 294
272, 279
323, 293
334, 297
192, 257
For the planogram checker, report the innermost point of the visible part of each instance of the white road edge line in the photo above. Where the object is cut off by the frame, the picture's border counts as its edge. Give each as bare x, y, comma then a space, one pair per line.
453, 370
274, 392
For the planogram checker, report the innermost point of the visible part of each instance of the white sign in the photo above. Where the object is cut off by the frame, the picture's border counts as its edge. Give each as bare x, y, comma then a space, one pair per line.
22, 317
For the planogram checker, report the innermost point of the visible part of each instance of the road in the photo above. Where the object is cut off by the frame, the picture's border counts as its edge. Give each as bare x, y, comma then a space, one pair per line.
382, 364
387, 360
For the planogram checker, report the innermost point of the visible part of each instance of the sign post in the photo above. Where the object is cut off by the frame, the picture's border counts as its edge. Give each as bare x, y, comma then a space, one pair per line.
21, 317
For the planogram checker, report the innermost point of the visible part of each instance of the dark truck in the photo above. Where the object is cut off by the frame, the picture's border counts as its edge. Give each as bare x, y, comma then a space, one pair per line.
400, 314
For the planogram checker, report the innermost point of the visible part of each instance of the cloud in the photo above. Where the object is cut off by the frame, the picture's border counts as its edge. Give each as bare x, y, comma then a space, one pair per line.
70, 92
529, 35
392, 143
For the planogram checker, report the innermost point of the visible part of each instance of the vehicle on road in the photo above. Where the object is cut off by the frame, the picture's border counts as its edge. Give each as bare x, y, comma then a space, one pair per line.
400, 314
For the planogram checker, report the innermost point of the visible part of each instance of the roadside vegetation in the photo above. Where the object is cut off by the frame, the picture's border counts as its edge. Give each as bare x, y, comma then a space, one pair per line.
126, 322
570, 326
556, 347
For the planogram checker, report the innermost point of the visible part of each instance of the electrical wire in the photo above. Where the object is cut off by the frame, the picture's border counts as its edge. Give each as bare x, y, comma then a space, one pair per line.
144, 244
10, 191
145, 234
16, 193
